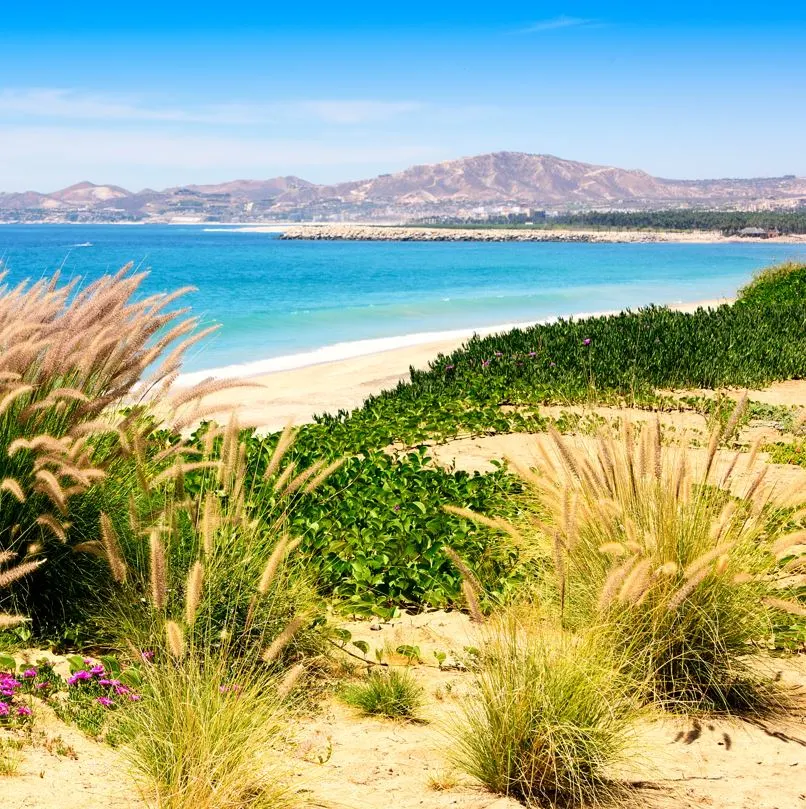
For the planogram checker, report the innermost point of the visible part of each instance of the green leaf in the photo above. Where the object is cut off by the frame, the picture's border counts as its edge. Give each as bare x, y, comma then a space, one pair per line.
110, 664
8, 663
362, 645
412, 652
76, 663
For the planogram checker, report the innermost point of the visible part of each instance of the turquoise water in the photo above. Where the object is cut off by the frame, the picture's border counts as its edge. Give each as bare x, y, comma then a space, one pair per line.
276, 298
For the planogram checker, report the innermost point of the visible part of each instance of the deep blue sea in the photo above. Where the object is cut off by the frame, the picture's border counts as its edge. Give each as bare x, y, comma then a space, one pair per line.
278, 299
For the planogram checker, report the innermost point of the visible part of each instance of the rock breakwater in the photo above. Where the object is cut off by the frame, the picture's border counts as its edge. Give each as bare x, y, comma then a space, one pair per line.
423, 234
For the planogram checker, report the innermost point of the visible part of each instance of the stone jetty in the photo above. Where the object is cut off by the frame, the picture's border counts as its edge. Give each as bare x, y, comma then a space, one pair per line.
398, 233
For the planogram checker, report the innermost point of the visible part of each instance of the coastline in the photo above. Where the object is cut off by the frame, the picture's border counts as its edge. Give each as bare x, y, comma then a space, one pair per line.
397, 233
330, 383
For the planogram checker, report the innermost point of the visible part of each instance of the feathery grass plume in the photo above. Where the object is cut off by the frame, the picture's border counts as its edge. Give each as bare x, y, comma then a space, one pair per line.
275, 648
559, 568
274, 561
787, 542
302, 478
284, 443
285, 476
193, 591
784, 605
472, 601
158, 572
10, 621
684, 606
728, 431
55, 527
114, 554
495, 523
322, 476
464, 571
211, 521
93, 547
13, 487
175, 638
15, 573
290, 680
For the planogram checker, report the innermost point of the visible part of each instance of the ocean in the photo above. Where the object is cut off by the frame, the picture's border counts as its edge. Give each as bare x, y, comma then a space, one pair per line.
283, 304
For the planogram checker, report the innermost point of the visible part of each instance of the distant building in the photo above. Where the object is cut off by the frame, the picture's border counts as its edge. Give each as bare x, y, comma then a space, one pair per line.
756, 233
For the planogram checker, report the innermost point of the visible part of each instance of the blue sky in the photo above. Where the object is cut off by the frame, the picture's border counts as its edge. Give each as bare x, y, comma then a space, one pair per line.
148, 94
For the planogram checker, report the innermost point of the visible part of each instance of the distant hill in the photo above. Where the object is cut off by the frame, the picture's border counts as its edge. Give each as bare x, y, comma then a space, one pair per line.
502, 180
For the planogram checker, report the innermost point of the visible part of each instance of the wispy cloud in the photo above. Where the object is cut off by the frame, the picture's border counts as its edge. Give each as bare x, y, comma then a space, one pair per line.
77, 105
554, 23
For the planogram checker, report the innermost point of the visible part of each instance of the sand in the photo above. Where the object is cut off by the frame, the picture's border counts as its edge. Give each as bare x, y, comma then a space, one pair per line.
337, 759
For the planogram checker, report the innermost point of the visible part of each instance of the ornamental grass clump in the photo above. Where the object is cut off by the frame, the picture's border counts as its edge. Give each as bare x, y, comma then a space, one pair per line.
548, 716
391, 693
671, 557
203, 736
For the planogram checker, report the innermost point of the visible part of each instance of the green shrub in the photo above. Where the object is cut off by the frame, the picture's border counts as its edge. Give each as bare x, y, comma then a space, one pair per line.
548, 716
392, 693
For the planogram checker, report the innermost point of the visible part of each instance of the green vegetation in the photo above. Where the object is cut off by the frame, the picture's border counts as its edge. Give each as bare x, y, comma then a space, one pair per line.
386, 692
728, 222
548, 716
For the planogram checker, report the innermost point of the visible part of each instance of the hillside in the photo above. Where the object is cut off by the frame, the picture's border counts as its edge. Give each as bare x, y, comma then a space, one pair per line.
498, 181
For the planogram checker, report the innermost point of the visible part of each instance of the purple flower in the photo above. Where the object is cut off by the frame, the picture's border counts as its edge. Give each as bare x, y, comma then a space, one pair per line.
586, 341
533, 353
42, 685
148, 656
498, 354
23, 710
485, 363
80, 675
97, 670
3, 709
134, 697
396, 507
110, 683
449, 367
30, 673
105, 701
121, 689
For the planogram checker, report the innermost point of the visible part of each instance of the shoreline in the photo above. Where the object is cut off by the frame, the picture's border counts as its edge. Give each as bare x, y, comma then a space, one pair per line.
328, 384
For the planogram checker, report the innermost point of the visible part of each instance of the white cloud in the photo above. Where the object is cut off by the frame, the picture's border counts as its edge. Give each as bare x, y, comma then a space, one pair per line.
69, 104
557, 22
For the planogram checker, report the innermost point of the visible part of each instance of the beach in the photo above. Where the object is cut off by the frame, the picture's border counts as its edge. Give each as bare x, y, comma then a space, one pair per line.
269, 401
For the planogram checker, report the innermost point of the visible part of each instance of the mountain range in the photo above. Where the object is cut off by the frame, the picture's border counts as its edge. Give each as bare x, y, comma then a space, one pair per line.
484, 184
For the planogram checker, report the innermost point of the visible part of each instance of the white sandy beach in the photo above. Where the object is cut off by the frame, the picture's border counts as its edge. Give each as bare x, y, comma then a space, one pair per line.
298, 393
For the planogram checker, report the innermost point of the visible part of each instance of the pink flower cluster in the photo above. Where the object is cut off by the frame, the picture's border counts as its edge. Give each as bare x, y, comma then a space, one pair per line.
94, 680
10, 709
